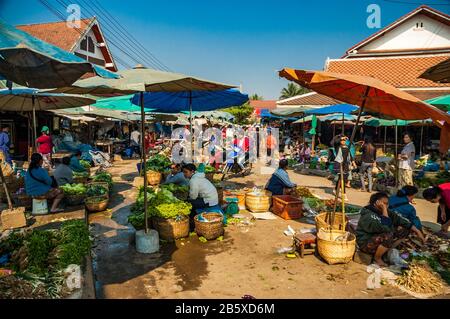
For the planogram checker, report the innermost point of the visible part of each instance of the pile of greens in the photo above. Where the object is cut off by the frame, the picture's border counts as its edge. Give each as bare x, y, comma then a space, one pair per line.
179, 191
85, 164
209, 169
441, 178
104, 177
80, 174
171, 210
74, 189
158, 163
96, 190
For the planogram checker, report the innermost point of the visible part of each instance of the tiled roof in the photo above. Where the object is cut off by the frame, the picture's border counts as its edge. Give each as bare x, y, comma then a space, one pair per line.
269, 104
312, 98
428, 94
57, 33
401, 72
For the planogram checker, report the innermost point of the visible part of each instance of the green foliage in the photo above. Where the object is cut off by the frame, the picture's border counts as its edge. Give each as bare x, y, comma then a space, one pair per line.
104, 177
172, 210
96, 190
292, 90
85, 164
158, 163
74, 189
241, 113
74, 243
40, 244
256, 97
209, 169
80, 174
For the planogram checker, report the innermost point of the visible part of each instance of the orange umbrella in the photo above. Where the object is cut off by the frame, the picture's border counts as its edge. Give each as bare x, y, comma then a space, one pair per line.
369, 93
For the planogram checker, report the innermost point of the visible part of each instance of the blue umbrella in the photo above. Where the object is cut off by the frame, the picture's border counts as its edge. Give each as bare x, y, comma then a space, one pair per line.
333, 109
32, 62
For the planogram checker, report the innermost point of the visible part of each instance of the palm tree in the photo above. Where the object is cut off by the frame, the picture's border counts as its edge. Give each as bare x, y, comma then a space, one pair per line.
256, 97
293, 90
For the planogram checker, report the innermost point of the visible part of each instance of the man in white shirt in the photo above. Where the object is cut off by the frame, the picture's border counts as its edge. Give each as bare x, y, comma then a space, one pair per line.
136, 141
406, 162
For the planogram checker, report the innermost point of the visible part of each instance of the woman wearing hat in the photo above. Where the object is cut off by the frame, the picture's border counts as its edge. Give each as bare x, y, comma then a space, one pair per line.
45, 146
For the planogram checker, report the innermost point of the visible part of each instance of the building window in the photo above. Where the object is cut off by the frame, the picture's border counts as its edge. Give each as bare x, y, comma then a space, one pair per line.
87, 44
419, 26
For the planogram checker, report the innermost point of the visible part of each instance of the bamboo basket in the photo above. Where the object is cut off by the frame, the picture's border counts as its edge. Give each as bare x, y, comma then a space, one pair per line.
209, 230
154, 178
171, 229
335, 252
97, 206
75, 200
323, 222
258, 203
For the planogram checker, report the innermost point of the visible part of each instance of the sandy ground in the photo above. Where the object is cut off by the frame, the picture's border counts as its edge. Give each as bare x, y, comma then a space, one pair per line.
243, 263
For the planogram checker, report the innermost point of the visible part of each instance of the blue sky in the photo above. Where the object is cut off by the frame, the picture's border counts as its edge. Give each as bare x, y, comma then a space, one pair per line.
238, 42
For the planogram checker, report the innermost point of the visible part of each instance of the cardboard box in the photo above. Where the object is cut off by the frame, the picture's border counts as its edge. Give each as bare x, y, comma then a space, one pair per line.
14, 218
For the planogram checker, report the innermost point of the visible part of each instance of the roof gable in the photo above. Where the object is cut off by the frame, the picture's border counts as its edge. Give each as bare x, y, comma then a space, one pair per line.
396, 36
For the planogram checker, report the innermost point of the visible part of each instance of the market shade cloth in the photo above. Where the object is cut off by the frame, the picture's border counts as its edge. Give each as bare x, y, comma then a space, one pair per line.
118, 103
304, 119
376, 96
441, 102
294, 111
339, 108
175, 102
376, 122
96, 112
212, 115
338, 117
32, 62
439, 73
21, 100
140, 79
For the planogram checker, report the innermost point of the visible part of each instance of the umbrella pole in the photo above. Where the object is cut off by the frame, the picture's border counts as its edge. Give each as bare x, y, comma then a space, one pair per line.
343, 125
34, 125
303, 129
334, 129
144, 160
396, 154
361, 109
421, 138
190, 122
384, 145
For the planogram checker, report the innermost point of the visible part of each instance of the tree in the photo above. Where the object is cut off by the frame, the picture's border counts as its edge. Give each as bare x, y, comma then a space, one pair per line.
241, 113
256, 97
293, 90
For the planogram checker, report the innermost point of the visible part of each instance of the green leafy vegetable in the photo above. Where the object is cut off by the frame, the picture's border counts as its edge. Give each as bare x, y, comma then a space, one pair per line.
158, 163
74, 189
96, 190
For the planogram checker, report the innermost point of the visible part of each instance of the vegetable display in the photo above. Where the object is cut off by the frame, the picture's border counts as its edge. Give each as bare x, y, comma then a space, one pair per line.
209, 169
104, 177
80, 174
158, 163
172, 210
74, 189
96, 190
179, 191
85, 164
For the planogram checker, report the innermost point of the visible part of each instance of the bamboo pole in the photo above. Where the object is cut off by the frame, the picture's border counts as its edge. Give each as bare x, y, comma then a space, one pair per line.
143, 158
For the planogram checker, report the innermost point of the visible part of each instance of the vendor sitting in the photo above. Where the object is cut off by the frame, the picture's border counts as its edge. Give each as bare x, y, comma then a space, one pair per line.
401, 204
38, 184
380, 229
440, 194
279, 183
176, 176
63, 173
75, 164
202, 193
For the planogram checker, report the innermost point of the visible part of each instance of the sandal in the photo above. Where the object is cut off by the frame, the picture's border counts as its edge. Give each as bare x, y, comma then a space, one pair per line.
58, 210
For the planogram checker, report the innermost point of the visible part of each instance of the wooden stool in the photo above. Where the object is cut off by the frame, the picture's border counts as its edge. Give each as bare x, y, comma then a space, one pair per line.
305, 243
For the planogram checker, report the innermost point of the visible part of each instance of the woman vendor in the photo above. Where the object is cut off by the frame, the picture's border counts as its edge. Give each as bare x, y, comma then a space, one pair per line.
202, 193
380, 229
279, 183
176, 176
75, 164
440, 194
402, 204
63, 174
38, 184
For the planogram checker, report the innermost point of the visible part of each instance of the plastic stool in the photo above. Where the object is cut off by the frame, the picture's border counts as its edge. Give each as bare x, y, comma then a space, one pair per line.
40, 207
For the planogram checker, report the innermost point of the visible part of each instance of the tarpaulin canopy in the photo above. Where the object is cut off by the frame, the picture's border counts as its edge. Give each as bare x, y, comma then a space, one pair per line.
293, 111
32, 62
118, 103
441, 102
96, 112
304, 119
212, 115
339, 108
338, 117
376, 122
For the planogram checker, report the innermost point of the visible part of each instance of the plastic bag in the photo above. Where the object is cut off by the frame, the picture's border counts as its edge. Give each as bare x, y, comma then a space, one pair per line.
394, 258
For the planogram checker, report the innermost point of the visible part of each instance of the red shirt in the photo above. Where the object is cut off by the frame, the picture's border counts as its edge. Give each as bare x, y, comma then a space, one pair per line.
445, 193
45, 144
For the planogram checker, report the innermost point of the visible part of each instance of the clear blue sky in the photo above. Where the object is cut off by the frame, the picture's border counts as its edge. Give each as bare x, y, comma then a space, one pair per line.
238, 42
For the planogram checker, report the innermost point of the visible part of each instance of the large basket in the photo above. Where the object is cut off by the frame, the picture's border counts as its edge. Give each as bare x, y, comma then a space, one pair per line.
171, 229
211, 229
154, 178
258, 203
98, 206
335, 252
287, 207
23, 200
322, 221
104, 184
75, 200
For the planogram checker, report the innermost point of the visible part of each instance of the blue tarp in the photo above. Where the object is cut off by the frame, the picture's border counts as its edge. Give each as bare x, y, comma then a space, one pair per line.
175, 102
265, 113
338, 117
339, 108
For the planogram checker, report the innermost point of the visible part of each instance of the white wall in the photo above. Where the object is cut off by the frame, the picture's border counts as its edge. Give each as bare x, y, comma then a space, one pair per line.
98, 53
405, 36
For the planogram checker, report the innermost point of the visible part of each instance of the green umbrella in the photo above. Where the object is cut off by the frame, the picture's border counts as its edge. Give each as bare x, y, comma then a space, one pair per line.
441, 102
376, 122
312, 131
118, 103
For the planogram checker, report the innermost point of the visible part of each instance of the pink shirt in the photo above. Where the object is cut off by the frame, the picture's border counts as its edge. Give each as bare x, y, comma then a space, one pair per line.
45, 144
445, 193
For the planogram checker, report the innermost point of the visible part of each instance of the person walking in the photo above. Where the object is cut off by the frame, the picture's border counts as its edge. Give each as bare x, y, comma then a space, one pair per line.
406, 162
45, 146
5, 144
343, 158
368, 158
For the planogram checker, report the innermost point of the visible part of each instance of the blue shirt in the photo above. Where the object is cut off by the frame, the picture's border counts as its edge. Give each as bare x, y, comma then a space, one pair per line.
75, 165
177, 179
279, 181
403, 207
37, 188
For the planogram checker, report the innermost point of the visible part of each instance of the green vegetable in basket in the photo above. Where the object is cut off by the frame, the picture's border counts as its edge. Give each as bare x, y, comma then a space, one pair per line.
80, 174
85, 164
74, 189
103, 177
96, 190
209, 169
172, 210
158, 163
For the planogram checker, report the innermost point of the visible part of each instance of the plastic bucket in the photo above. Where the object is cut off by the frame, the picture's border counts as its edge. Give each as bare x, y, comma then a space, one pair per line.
40, 207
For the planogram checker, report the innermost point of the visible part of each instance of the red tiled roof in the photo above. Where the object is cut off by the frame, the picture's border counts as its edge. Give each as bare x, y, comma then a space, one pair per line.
309, 99
428, 94
401, 72
57, 33
269, 104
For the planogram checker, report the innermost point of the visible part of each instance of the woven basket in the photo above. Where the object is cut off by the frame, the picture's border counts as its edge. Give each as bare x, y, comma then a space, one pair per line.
209, 230
23, 200
97, 206
210, 176
154, 178
323, 222
335, 252
258, 203
171, 229
74, 200
104, 184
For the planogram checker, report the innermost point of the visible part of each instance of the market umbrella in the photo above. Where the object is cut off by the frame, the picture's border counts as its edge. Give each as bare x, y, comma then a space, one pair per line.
32, 62
343, 109
439, 73
219, 115
118, 103
441, 102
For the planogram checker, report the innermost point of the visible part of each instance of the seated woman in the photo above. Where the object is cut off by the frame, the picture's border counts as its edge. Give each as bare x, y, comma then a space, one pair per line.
401, 204
176, 176
75, 164
202, 193
380, 229
279, 183
38, 184
440, 194
63, 174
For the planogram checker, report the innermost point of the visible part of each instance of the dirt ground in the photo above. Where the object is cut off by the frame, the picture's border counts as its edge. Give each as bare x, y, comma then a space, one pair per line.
244, 263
